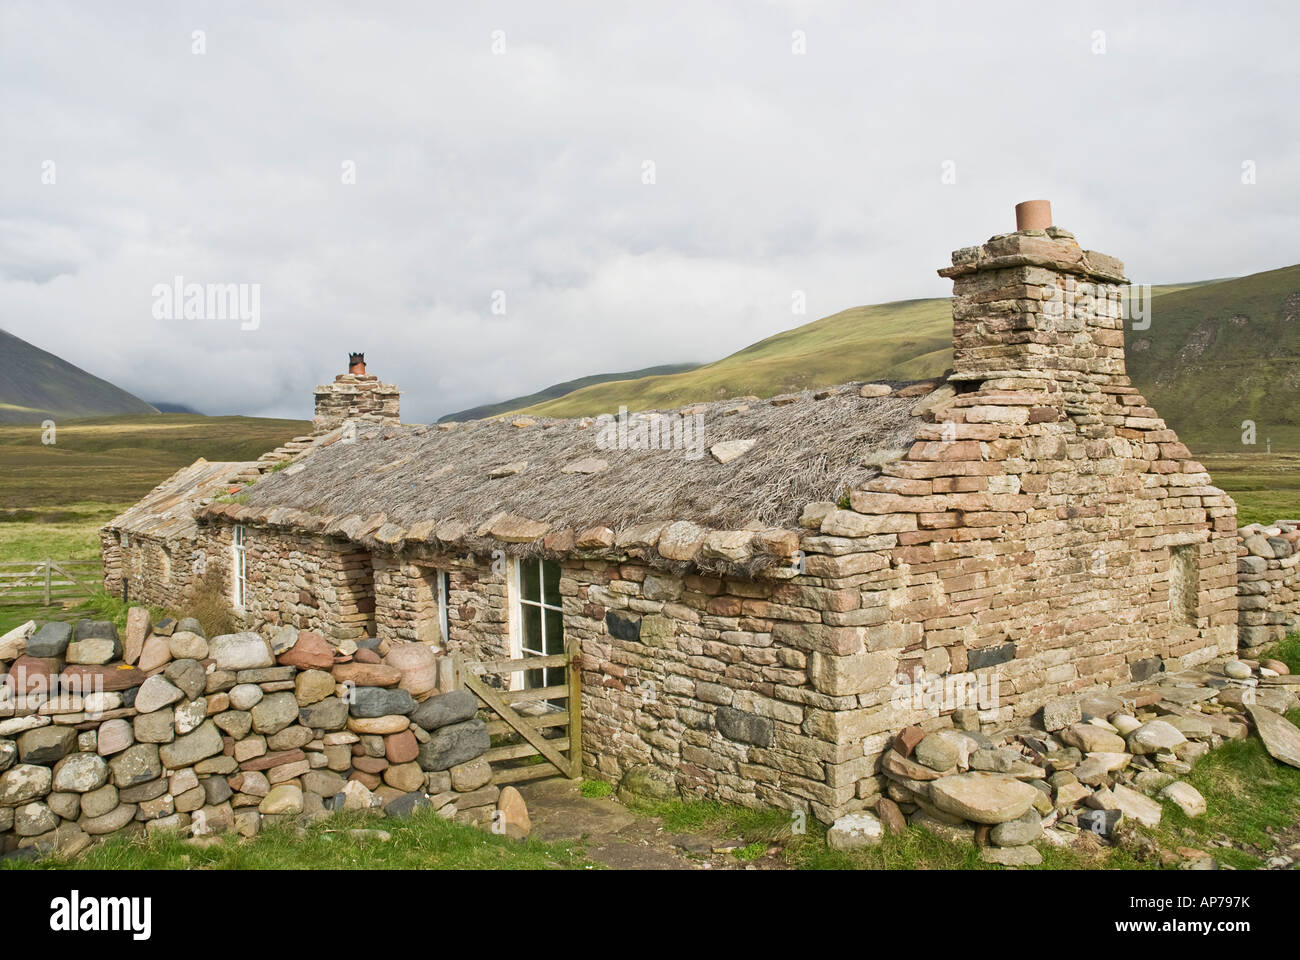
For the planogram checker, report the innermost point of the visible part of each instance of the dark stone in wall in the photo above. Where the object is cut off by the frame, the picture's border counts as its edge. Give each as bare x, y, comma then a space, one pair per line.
622, 626
990, 656
381, 702
1146, 669
51, 640
746, 727
445, 709
457, 743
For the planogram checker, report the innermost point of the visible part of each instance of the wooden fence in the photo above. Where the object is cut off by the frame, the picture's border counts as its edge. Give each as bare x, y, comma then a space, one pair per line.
560, 752
48, 581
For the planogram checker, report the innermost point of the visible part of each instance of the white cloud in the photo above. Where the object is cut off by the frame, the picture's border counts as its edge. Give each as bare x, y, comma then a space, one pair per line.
522, 173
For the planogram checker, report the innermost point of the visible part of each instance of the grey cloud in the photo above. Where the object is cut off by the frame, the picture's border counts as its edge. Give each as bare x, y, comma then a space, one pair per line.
522, 173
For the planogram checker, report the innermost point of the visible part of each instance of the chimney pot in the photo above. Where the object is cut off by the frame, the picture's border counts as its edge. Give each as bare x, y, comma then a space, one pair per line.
357, 363
1033, 215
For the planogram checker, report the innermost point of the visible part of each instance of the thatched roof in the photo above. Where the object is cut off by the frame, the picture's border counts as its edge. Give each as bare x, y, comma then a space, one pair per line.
167, 511
519, 480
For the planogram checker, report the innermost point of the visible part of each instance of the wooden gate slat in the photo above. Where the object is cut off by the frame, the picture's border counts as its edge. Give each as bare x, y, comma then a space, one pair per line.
508, 714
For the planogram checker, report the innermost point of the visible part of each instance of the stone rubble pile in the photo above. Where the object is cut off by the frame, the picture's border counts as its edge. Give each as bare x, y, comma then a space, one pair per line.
1086, 766
165, 729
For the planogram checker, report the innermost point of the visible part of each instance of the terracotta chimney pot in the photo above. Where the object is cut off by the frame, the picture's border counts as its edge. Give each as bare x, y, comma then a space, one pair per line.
1033, 215
357, 361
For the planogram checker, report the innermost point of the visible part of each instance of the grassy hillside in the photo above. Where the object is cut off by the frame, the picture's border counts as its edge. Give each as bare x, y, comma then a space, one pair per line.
117, 460
1218, 354
561, 389
36, 385
904, 340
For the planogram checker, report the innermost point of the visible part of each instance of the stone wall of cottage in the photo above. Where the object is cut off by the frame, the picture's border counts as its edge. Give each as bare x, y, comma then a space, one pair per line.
156, 572
110, 555
686, 674
406, 602
1046, 532
1268, 583
308, 582
679, 673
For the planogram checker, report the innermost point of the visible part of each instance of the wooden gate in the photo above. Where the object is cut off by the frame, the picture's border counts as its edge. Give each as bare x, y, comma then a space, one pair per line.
560, 752
48, 581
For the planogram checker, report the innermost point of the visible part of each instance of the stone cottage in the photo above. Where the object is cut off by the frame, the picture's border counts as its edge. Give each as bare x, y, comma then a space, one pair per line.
759, 588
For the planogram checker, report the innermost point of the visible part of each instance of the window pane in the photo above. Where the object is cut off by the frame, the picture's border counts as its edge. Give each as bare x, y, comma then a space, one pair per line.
551, 582
532, 625
554, 632
528, 574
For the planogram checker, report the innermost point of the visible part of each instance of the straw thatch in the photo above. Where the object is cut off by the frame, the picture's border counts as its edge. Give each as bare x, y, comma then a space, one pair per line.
167, 511
409, 477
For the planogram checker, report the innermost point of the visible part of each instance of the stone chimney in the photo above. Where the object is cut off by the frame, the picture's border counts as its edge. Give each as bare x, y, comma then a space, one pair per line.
355, 395
1031, 310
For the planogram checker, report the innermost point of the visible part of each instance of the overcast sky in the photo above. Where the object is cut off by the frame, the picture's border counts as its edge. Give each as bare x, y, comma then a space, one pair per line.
504, 147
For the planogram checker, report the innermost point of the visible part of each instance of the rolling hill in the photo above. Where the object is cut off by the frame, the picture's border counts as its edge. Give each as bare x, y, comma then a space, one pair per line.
561, 389
1217, 352
1222, 353
36, 385
909, 339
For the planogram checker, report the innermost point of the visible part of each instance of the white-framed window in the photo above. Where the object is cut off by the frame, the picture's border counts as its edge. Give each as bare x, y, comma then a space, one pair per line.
126, 539
444, 591
536, 619
240, 567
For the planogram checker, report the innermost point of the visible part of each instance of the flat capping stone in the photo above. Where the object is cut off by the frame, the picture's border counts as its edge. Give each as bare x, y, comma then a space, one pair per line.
1083, 267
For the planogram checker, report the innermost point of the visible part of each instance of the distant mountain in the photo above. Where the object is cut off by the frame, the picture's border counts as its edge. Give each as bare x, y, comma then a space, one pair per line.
36, 385
165, 407
560, 389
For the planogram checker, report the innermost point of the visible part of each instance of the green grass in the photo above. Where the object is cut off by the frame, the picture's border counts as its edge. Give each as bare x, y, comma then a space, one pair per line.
423, 842
1286, 650
69, 532
593, 789
1266, 488
115, 460
1247, 792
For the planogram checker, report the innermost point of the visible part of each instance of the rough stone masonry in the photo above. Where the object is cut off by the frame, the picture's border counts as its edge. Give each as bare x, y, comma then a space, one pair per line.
166, 730
1029, 527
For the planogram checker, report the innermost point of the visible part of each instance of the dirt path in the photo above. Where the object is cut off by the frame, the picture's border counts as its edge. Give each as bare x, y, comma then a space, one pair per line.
623, 840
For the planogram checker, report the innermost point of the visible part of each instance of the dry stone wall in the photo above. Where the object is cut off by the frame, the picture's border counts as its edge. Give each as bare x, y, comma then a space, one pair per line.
1268, 583
162, 729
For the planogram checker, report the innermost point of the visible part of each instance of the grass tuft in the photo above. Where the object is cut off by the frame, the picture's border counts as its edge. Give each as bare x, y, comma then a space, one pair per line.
423, 842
